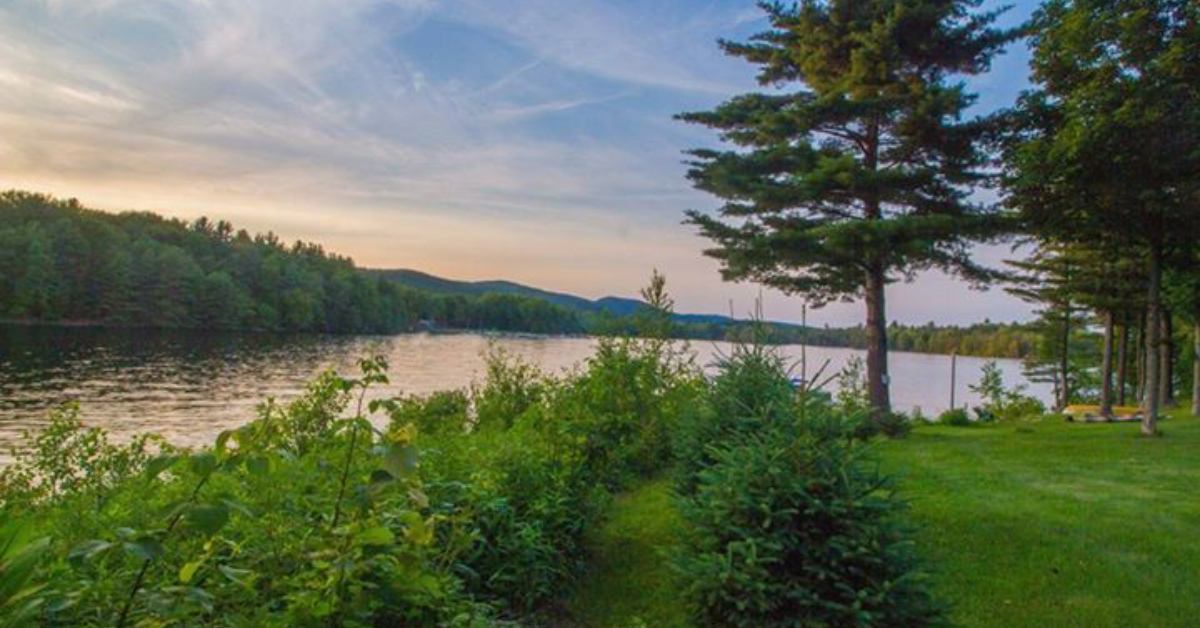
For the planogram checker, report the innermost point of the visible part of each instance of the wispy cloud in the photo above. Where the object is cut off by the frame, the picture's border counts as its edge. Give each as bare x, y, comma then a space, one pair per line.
477, 137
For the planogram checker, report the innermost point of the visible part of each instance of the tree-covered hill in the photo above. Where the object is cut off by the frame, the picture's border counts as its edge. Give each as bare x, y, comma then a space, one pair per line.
63, 263
613, 305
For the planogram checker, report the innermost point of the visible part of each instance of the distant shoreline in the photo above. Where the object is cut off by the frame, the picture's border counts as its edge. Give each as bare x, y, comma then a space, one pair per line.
445, 331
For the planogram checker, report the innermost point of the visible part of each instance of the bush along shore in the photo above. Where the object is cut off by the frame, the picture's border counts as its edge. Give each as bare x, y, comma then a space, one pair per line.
462, 508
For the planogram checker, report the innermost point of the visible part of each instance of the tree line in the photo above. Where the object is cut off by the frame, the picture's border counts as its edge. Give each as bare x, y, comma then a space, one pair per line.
64, 263
862, 165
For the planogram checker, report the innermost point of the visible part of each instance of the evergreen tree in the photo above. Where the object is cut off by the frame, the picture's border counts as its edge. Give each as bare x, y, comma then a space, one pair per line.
1182, 292
1051, 278
36, 290
860, 175
1109, 143
654, 321
114, 285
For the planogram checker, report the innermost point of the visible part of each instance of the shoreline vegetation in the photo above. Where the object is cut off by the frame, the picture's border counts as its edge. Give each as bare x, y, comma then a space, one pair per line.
76, 267
768, 339
515, 502
465, 507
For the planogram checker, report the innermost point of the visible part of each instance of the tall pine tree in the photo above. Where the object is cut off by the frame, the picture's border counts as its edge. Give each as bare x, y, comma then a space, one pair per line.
854, 169
1111, 145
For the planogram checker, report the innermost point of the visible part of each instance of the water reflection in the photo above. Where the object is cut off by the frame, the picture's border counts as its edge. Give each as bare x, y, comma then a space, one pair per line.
188, 386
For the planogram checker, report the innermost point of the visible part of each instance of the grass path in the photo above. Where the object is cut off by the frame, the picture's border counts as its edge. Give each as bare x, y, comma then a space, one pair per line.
628, 582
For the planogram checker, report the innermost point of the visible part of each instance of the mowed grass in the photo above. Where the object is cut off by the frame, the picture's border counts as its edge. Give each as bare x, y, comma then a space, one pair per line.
1057, 524
628, 582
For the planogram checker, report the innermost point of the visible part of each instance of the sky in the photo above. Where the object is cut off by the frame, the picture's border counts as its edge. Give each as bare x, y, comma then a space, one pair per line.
526, 140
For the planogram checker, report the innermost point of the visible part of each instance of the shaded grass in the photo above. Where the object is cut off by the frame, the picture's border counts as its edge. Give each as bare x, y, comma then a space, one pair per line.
629, 582
1057, 524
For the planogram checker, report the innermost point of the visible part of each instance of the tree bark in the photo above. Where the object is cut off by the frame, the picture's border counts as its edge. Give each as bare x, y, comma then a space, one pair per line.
877, 368
1196, 367
1141, 357
1123, 359
1106, 367
877, 372
1166, 393
1064, 365
1153, 327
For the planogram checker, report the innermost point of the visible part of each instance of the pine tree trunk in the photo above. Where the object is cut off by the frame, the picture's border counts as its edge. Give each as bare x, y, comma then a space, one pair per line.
877, 368
1106, 367
1196, 368
1141, 357
1153, 348
1123, 359
1166, 356
1064, 365
877, 373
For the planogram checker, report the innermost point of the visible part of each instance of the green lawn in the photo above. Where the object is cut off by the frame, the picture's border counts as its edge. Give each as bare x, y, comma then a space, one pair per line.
629, 582
1040, 524
1057, 524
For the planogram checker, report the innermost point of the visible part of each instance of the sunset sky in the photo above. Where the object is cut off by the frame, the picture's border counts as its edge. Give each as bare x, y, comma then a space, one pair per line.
474, 139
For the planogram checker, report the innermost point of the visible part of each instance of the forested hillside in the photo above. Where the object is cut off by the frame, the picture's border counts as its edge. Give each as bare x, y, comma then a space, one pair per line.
64, 263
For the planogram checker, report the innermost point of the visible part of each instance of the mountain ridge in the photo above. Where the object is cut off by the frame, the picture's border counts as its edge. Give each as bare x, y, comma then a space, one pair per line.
617, 306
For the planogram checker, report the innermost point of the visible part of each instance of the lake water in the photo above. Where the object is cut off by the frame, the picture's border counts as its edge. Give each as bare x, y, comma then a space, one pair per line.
189, 386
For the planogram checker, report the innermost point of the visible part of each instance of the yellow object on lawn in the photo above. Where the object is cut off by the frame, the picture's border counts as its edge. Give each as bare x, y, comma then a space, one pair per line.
1092, 413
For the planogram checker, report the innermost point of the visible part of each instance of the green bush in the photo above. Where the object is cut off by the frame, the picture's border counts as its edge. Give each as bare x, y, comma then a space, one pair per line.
511, 386
956, 417
309, 515
519, 505
437, 413
624, 408
750, 392
788, 529
853, 402
1000, 403
789, 523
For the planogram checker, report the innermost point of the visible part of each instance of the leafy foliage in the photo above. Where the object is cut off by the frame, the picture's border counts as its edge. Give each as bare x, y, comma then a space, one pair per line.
955, 417
789, 525
313, 515
1000, 403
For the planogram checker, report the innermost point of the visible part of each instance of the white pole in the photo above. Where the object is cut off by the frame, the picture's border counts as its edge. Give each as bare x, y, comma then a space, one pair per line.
953, 374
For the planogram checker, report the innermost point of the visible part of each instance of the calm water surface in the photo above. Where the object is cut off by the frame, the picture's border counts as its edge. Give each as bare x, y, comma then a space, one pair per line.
189, 386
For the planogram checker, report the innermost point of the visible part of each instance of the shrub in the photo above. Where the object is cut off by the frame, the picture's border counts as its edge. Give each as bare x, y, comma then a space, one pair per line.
511, 387
624, 408
750, 392
892, 425
519, 506
789, 524
853, 402
437, 413
852, 399
301, 517
1000, 403
790, 527
522, 488
67, 459
956, 417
